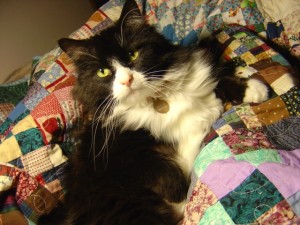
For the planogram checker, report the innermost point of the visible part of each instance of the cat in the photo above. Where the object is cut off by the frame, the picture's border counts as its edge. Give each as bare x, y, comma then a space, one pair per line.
148, 105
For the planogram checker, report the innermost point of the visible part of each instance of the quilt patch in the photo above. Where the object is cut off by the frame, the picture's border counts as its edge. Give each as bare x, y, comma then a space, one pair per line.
246, 148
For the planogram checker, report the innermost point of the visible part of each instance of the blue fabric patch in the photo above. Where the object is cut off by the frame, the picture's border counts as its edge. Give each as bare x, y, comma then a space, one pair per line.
19, 110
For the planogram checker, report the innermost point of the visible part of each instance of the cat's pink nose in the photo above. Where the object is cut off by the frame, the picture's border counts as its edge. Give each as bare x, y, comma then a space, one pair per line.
127, 81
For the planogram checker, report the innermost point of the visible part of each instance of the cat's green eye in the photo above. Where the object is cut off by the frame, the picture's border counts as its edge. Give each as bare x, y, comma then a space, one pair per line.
104, 72
133, 55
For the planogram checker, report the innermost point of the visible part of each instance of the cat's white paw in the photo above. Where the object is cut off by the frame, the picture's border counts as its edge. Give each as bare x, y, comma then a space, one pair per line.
256, 91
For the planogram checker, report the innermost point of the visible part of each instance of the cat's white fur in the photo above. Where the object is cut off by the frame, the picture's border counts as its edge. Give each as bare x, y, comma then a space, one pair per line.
189, 91
194, 106
256, 91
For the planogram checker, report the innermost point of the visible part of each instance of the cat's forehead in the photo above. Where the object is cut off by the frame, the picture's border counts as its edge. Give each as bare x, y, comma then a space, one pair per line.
125, 36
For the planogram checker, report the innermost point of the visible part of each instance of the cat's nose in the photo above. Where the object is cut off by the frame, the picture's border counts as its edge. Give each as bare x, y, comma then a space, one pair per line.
127, 81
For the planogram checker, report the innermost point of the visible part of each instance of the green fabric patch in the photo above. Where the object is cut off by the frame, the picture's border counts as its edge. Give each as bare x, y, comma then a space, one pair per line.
260, 156
29, 140
216, 214
13, 92
213, 151
255, 196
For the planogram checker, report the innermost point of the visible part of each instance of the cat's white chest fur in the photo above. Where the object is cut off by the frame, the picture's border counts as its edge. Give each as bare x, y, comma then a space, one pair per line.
193, 106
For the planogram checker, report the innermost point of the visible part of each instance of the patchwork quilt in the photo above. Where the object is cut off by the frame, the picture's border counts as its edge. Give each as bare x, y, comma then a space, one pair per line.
248, 171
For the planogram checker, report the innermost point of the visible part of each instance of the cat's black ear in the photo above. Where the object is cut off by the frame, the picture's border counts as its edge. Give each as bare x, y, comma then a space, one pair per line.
73, 48
131, 13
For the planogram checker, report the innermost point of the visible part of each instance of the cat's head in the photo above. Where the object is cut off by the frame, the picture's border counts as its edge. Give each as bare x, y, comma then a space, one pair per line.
125, 62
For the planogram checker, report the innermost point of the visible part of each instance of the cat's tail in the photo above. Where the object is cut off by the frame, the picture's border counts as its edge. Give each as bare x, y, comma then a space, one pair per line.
117, 206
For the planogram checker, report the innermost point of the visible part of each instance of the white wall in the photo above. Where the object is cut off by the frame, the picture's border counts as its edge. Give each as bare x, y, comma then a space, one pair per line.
32, 27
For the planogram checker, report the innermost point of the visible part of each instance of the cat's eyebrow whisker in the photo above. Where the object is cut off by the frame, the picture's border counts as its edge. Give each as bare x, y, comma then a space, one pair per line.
145, 72
156, 71
121, 27
158, 77
88, 54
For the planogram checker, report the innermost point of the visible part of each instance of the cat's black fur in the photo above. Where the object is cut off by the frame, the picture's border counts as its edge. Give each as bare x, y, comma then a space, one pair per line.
135, 179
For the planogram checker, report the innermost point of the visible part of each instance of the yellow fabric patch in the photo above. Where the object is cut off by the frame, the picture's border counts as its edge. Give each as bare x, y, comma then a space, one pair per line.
9, 150
25, 124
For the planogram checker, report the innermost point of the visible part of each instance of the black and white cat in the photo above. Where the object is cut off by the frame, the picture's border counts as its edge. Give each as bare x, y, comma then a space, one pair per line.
152, 103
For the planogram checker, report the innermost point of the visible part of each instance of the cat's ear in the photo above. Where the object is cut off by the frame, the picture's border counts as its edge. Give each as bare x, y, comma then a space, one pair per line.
131, 13
73, 48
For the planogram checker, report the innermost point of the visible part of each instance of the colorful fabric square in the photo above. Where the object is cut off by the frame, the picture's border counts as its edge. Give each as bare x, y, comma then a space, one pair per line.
281, 213
62, 82
255, 196
36, 162
260, 156
52, 74
200, 200
215, 150
24, 124
5, 128
294, 202
277, 174
48, 108
290, 158
14, 92
271, 111
19, 112
49, 118
243, 140
5, 109
220, 184
9, 150
29, 140
216, 214
284, 134
35, 94
292, 101
232, 118
186, 22
248, 116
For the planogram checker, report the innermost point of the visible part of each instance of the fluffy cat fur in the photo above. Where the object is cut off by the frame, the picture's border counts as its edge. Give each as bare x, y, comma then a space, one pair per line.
132, 162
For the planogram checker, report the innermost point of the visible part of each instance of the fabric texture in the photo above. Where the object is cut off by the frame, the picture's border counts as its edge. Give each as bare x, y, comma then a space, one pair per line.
246, 158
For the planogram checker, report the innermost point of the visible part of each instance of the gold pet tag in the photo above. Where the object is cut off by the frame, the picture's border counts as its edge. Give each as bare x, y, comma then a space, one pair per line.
161, 106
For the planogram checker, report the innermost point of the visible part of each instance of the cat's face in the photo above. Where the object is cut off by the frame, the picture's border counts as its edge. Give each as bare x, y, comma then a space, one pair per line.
126, 61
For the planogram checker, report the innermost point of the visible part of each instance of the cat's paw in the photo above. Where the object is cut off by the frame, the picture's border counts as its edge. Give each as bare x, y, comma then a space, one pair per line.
256, 91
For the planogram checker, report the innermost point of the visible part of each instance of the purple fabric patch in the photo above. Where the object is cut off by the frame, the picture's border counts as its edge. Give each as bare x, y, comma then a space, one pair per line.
285, 178
291, 158
224, 176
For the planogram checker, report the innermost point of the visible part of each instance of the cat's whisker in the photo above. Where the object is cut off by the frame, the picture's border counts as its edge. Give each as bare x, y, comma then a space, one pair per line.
165, 86
95, 123
88, 54
100, 106
159, 77
122, 23
146, 72
109, 131
157, 71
